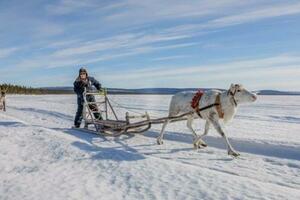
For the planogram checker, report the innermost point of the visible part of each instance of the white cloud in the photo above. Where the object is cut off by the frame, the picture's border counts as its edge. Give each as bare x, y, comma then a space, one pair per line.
241, 17
62, 43
69, 60
170, 57
137, 11
257, 14
124, 41
98, 31
244, 71
5, 52
215, 14
68, 6
263, 63
97, 45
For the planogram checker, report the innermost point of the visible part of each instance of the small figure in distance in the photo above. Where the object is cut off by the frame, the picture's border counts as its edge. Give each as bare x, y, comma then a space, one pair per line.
2, 101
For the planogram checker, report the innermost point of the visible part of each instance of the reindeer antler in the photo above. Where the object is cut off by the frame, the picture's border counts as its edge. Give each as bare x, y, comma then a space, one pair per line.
2, 89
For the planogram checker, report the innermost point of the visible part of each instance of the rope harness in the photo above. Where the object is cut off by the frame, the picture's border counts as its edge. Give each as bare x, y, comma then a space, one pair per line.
232, 95
195, 104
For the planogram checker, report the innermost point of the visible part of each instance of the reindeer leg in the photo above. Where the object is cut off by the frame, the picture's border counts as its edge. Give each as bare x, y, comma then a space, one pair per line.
198, 142
220, 130
190, 120
206, 129
161, 135
207, 126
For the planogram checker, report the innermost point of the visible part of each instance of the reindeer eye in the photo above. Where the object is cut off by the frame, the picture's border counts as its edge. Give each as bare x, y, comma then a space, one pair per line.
238, 90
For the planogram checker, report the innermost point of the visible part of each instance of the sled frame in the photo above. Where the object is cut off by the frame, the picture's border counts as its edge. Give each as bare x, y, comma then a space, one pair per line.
108, 123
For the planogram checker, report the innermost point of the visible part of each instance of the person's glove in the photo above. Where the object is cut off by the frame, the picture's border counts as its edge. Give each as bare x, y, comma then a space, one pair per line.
103, 91
83, 83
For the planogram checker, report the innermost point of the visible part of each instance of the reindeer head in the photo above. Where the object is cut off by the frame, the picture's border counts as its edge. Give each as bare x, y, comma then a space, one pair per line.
3, 91
240, 94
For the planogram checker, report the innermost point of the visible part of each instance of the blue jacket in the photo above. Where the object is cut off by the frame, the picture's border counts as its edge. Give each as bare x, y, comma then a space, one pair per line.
79, 85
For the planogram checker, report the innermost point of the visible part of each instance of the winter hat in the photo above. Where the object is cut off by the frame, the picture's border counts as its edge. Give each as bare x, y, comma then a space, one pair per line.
82, 70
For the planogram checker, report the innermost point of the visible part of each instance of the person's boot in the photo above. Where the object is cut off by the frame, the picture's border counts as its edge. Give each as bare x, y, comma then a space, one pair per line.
98, 116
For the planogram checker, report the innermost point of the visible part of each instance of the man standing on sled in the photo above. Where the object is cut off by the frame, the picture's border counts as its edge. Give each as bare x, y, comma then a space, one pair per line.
82, 82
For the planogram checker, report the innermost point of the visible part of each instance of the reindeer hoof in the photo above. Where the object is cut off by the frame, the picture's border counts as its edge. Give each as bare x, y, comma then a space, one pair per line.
159, 142
203, 144
199, 146
233, 153
196, 146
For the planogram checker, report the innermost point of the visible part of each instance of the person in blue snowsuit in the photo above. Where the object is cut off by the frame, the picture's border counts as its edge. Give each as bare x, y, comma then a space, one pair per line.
82, 82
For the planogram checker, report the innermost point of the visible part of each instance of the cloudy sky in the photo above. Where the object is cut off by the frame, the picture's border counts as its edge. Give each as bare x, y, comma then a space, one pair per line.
153, 43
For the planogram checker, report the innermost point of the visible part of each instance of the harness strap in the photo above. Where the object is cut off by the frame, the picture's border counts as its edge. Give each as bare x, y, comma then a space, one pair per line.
217, 104
198, 110
219, 107
196, 101
232, 95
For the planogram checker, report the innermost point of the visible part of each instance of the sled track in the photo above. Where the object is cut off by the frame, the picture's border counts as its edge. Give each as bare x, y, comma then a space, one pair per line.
126, 148
269, 150
272, 164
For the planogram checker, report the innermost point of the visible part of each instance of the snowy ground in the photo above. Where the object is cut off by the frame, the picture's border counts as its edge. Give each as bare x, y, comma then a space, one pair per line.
42, 158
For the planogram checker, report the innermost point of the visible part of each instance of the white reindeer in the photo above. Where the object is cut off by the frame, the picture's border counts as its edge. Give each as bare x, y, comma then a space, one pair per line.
2, 101
225, 106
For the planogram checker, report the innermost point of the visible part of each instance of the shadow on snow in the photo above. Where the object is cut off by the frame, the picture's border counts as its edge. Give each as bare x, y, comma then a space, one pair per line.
121, 153
259, 148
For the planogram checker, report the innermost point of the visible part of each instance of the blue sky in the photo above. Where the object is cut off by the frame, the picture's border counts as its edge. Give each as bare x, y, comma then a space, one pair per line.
153, 43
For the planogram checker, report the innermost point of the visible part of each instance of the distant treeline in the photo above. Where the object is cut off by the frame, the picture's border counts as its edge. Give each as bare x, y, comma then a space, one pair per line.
17, 89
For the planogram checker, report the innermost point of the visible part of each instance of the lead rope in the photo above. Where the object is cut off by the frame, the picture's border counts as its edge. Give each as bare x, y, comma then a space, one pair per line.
131, 109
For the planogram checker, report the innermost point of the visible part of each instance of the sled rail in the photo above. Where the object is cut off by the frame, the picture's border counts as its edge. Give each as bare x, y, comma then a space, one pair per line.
108, 123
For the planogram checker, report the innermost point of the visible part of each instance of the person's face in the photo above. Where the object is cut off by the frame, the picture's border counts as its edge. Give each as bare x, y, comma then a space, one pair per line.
82, 75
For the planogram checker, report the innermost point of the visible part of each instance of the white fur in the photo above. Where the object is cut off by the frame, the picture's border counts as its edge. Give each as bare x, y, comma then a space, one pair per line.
181, 103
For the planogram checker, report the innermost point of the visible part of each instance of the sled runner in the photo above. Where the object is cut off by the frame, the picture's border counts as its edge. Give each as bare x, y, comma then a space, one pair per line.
101, 118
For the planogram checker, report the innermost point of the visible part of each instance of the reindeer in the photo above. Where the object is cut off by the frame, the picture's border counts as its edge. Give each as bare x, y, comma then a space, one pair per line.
219, 106
2, 100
